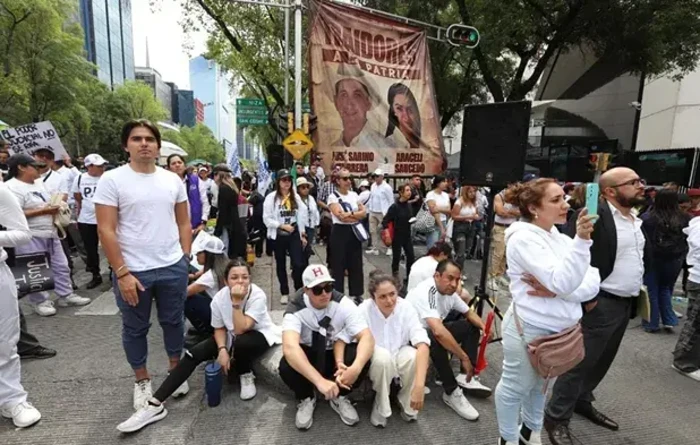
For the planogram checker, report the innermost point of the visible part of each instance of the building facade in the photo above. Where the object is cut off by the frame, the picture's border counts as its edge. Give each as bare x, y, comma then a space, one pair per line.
162, 91
211, 87
107, 25
186, 108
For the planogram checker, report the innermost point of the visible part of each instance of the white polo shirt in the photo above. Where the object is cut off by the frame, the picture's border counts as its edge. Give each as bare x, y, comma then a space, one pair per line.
401, 328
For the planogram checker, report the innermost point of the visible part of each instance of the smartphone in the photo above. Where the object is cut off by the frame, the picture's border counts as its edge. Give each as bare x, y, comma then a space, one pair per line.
592, 192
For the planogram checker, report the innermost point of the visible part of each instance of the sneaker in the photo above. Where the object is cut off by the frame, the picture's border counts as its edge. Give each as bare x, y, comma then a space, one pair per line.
305, 413
389, 252
96, 281
142, 393
460, 404
73, 300
695, 375
475, 387
146, 415
679, 315
23, 415
377, 419
503, 282
45, 308
182, 390
347, 412
493, 285
38, 353
284, 299
535, 438
248, 390
409, 417
370, 251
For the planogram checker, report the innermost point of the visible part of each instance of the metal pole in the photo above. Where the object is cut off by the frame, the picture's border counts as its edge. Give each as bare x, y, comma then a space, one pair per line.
286, 53
297, 63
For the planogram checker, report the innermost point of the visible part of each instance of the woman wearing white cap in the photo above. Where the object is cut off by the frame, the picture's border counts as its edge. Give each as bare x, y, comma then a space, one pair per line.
243, 331
211, 254
304, 188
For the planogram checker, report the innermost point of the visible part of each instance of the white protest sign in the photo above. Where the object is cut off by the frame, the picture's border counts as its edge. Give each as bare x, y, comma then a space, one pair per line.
31, 137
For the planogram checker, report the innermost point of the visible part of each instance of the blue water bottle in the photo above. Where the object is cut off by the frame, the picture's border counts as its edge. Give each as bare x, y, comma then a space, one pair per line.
213, 381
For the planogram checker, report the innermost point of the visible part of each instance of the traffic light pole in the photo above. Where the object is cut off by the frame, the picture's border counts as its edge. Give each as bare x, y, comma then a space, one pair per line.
286, 53
297, 64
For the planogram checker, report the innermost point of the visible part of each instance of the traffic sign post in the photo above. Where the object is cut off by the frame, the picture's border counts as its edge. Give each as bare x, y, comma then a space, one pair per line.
251, 112
298, 144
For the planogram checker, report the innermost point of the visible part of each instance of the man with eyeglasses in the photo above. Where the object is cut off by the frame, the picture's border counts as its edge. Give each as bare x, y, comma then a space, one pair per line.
620, 252
316, 318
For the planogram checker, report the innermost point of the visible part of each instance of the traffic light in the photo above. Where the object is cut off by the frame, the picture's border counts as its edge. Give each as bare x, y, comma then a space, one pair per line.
604, 161
305, 123
462, 35
594, 161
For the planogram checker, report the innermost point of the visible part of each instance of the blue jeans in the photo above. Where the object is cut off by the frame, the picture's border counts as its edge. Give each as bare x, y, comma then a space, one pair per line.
432, 237
660, 281
198, 312
520, 392
168, 286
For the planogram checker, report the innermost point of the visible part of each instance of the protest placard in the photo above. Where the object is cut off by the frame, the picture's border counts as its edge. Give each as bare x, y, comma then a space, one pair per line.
31, 137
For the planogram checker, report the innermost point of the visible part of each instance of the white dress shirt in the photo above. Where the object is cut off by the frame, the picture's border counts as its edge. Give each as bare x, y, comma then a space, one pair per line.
628, 270
401, 328
381, 198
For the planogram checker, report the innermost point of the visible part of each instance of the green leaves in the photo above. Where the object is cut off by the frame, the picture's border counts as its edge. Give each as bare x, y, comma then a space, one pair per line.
198, 141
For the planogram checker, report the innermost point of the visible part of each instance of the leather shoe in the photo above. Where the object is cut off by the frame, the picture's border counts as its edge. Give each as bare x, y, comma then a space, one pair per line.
39, 352
595, 416
558, 432
96, 281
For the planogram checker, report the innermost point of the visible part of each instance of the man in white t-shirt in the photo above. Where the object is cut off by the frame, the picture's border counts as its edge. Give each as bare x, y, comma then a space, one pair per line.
424, 267
452, 328
316, 318
144, 226
83, 190
380, 199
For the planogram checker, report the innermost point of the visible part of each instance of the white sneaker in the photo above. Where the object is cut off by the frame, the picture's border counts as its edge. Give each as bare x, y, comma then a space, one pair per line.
679, 315
535, 438
460, 404
248, 390
22, 415
347, 412
409, 417
73, 300
182, 390
284, 299
142, 393
695, 375
146, 415
389, 252
377, 419
369, 251
503, 282
45, 308
305, 413
475, 387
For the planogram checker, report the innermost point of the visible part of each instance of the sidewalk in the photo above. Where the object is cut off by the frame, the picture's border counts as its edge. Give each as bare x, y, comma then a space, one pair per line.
85, 391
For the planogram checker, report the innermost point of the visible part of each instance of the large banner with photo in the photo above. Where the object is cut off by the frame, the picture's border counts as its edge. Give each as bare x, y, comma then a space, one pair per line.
372, 91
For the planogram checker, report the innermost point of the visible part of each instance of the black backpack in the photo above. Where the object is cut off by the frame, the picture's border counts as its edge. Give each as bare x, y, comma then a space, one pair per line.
669, 241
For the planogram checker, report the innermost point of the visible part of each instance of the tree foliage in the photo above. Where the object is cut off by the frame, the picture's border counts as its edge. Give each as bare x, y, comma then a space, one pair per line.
198, 141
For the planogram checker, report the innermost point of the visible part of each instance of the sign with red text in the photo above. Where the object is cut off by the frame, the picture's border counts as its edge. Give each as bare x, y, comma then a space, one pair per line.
372, 90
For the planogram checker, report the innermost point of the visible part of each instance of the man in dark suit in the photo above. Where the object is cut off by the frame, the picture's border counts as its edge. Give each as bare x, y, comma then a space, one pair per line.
619, 252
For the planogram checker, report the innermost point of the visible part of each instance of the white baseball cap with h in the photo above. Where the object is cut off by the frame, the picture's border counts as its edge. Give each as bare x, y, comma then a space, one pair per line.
316, 274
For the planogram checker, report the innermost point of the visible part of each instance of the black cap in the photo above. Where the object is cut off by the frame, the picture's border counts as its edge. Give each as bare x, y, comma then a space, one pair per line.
23, 159
221, 168
284, 173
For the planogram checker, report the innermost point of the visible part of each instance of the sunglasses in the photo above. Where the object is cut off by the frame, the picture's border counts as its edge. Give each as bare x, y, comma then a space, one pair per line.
321, 288
345, 178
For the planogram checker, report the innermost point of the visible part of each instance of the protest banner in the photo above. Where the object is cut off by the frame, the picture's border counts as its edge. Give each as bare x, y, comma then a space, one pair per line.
372, 89
31, 137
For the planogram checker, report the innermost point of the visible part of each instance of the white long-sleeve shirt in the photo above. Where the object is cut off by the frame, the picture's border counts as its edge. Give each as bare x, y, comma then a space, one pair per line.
314, 216
381, 198
12, 217
693, 258
401, 328
560, 264
275, 215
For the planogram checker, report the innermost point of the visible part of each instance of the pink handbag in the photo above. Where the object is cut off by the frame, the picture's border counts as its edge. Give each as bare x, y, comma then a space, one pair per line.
556, 354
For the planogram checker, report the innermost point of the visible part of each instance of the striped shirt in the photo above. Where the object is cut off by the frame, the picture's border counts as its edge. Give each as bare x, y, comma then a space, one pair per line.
429, 303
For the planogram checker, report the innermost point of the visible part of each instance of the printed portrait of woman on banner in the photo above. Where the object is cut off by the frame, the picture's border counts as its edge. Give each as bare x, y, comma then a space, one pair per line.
404, 116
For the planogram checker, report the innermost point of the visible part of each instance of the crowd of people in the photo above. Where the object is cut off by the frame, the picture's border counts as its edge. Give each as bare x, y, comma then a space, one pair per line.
567, 271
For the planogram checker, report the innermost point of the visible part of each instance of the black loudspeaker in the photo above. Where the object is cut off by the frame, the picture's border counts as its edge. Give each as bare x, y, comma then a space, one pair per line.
494, 142
275, 157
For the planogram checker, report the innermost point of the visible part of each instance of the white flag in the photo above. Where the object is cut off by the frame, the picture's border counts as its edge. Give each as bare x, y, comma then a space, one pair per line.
264, 176
232, 157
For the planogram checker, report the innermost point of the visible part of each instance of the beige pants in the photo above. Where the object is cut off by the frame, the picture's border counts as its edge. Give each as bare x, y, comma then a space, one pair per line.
375, 229
384, 368
498, 252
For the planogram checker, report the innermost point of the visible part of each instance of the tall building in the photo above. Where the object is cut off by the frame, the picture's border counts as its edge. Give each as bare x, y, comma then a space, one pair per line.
187, 115
211, 87
109, 39
162, 91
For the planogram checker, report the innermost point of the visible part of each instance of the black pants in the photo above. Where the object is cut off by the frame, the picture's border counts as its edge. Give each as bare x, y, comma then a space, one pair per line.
91, 241
402, 241
686, 355
27, 342
464, 235
603, 329
246, 348
289, 243
304, 389
347, 255
467, 335
198, 312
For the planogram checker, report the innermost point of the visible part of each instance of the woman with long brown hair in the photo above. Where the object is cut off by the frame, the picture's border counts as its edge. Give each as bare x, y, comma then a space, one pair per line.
464, 214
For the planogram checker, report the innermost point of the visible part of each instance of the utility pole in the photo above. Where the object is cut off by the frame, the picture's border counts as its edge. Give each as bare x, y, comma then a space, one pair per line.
286, 53
297, 63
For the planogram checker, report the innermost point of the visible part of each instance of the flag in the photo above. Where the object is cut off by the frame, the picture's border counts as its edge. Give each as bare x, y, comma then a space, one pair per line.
481, 362
264, 176
232, 158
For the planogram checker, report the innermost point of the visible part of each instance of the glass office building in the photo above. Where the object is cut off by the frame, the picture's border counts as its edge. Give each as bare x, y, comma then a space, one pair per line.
109, 39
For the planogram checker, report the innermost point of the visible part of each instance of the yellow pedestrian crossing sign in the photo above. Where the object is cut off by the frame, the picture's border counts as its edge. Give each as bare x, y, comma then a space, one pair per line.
298, 144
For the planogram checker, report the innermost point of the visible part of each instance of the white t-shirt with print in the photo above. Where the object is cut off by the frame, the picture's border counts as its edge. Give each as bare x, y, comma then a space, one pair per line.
254, 306
34, 196
421, 270
346, 321
86, 186
350, 198
147, 231
430, 303
207, 280
442, 202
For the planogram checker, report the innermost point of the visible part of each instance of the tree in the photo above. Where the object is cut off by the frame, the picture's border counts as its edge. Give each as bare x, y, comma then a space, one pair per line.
198, 141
